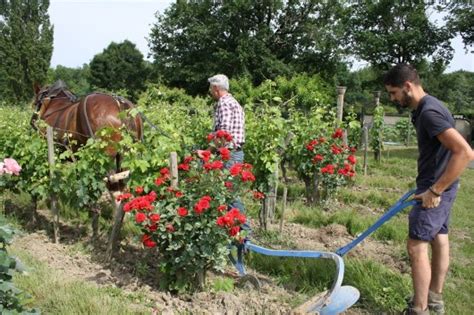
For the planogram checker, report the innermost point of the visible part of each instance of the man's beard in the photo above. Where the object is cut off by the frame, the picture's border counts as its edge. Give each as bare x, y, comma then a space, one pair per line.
406, 100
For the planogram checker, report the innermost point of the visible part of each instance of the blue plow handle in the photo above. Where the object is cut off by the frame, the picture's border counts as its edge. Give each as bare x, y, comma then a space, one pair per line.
401, 204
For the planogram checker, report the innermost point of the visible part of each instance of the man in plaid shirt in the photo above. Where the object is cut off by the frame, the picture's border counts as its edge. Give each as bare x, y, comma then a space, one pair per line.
229, 116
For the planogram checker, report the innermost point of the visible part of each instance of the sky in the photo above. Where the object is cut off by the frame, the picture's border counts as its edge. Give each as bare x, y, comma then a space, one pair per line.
84, 28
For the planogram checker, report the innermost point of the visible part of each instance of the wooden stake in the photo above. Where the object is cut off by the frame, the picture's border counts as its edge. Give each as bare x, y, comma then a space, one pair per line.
366, 147
174, 169
283, 208
54, 201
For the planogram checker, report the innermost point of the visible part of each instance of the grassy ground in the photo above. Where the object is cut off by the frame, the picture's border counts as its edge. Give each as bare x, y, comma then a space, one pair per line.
56, 293
382, 289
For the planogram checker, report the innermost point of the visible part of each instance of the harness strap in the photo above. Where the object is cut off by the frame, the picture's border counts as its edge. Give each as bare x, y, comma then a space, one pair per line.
84, 107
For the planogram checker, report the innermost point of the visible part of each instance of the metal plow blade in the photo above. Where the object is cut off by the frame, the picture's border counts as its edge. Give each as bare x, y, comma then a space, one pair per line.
321, 304
334, 301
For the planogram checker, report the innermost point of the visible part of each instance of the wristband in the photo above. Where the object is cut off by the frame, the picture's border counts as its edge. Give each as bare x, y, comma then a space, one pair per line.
437, 194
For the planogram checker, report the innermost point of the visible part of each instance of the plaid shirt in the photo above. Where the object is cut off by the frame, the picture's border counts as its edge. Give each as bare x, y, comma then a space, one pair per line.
229, 116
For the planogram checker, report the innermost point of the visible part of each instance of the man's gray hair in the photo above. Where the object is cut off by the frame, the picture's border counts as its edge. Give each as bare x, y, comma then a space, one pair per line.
219, 80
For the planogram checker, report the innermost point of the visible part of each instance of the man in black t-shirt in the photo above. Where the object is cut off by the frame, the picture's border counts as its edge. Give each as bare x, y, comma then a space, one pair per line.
443, 156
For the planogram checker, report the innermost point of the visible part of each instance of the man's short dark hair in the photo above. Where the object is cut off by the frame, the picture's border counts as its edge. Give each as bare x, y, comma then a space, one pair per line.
401, 73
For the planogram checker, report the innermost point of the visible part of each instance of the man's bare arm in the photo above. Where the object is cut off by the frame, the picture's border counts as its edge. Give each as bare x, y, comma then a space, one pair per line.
462, 154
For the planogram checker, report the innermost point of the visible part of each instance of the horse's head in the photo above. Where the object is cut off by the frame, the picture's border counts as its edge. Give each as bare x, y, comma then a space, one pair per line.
40, 94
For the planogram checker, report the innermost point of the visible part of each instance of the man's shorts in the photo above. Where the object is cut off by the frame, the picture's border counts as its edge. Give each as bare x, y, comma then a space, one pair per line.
425, 224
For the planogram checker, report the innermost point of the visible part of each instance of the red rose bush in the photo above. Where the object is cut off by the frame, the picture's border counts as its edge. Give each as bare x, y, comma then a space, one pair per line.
192, 225
331, 160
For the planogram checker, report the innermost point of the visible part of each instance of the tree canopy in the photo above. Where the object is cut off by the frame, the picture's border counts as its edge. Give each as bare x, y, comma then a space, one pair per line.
387, 32
26, 46
461, 21
193, 40
119, 66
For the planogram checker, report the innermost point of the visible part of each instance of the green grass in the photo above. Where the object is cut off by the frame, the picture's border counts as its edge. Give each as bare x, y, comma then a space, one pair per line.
382, 289
55, 293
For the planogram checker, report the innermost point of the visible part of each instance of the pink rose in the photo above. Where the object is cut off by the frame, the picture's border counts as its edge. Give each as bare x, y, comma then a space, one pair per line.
10, 166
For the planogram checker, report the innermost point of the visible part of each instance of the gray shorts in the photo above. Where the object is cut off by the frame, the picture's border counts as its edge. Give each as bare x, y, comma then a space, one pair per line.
425, 224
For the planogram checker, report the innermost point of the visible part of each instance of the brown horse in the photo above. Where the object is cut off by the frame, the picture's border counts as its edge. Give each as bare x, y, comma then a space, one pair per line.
79, 119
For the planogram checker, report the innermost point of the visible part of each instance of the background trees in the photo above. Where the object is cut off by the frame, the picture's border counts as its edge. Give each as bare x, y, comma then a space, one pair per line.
26, 46
76, 78
260, 39
461, 21
388, 32
119, 66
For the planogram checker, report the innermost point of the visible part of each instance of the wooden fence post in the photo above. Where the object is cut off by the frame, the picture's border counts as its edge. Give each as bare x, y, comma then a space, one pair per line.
366, 147
174, 169
118, 216
283, 208
54, 201
341, 90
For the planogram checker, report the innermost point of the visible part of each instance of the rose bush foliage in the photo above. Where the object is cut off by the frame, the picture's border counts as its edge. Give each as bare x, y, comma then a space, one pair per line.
331, 160
192, 225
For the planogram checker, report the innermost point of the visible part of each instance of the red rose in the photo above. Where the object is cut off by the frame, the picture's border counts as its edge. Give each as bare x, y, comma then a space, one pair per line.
205, 155
317, 158
124, 196
352, 159
139, 190
235, 169
151, 196
338, 133
210, 137
153, 227
140, 217
224, 153
217, 165
234, 230
222, 208
159, 181
155, 217
182, 211
247, 176
220, 221
183, 167
170, 228
147, 241
165, 171
258, 195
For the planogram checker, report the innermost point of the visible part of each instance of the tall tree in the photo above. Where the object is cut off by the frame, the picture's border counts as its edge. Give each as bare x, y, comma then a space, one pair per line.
386, 32
26, 46
119, 66
260, 39
460, 21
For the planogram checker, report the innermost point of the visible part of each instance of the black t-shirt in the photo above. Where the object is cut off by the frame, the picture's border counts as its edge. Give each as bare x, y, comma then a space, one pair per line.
430, 119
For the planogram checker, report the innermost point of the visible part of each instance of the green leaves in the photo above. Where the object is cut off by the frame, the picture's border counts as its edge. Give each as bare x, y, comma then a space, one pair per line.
11, 298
